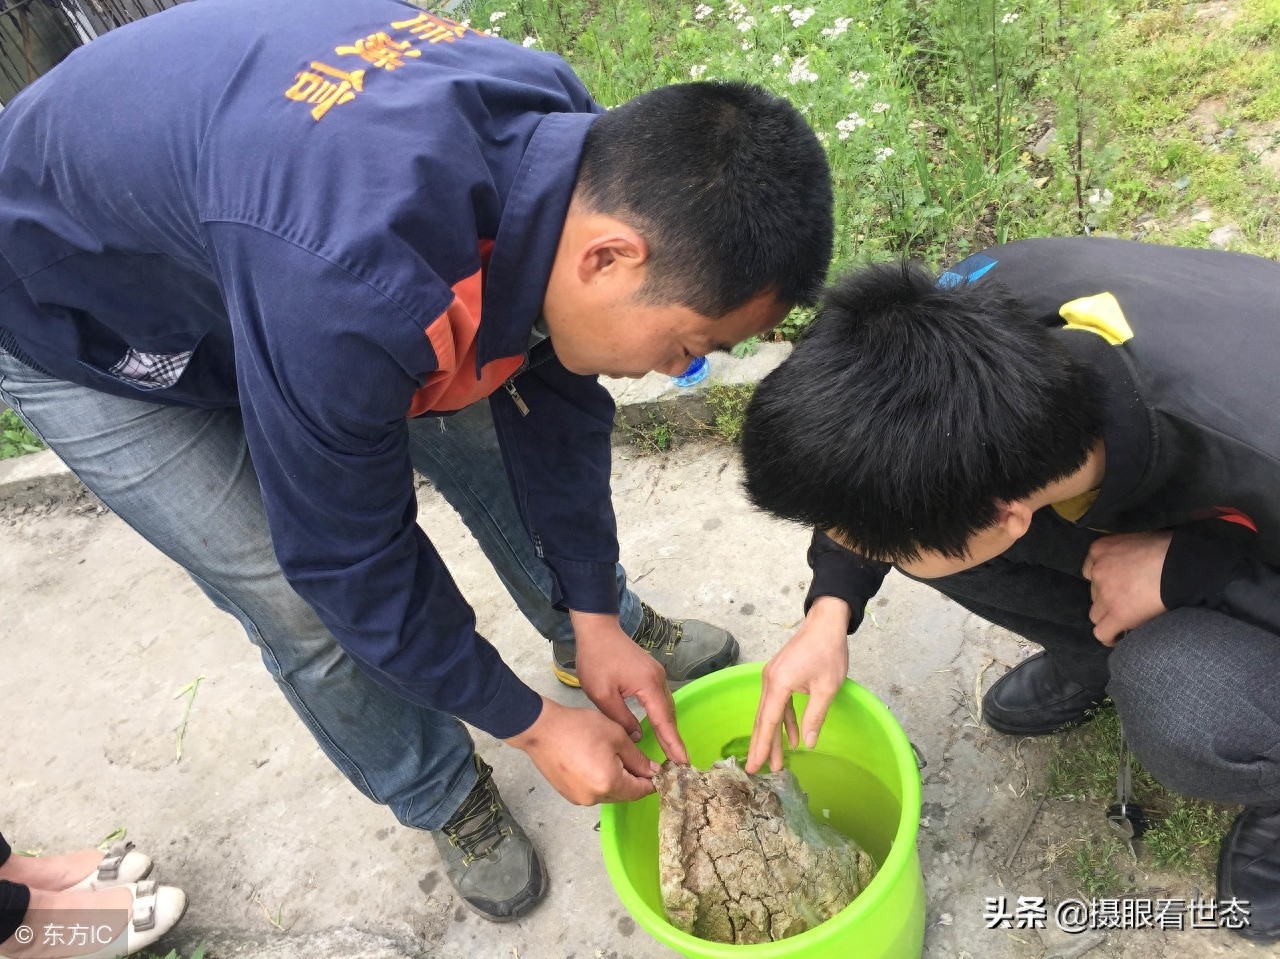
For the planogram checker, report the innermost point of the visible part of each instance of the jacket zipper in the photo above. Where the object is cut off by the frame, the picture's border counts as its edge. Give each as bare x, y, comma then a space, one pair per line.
510, 387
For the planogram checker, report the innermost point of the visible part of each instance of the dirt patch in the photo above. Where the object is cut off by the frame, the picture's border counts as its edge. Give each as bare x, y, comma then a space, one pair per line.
1264, 142
1222, 12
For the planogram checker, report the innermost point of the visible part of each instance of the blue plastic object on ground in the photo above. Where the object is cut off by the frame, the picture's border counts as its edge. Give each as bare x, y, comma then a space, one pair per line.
696, 373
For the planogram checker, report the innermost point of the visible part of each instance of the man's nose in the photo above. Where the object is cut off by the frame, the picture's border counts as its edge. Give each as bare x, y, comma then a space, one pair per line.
676, 366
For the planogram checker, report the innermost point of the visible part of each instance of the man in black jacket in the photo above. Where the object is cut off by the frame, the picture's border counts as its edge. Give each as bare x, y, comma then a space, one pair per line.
1075, 439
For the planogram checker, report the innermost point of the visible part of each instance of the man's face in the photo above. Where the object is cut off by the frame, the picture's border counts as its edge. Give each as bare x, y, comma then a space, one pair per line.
631, 337
599, 324
984, 545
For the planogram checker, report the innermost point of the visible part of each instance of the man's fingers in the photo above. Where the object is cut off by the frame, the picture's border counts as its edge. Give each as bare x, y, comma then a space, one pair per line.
627, 788
661, 709
815, 713
615, 708
775, 749
793, 727
768, 715
1106, 632
635, 762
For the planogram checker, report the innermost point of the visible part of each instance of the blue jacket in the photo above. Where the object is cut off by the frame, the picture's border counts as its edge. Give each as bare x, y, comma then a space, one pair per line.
333, 214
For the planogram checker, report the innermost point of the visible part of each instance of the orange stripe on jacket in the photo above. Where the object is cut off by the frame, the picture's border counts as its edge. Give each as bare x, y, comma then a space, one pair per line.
454, 335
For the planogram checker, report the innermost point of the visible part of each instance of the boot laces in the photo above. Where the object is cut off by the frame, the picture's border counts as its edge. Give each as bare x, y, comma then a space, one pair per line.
476, 828
656, 630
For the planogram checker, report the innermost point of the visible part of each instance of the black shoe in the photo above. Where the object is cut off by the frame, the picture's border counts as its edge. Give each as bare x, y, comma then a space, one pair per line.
487, 856
1033, 699
1249, 871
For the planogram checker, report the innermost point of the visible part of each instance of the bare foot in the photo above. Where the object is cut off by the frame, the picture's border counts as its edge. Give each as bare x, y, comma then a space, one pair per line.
62, 925
51, 873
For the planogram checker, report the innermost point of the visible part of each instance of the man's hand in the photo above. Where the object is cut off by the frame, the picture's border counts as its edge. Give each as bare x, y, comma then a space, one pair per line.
815, 661
1124, 571
587, 757
612, 667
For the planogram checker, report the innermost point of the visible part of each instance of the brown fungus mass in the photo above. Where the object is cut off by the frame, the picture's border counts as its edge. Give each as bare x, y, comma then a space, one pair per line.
742, 860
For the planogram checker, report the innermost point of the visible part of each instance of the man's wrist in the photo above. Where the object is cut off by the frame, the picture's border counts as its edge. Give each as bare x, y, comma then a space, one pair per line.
529, 736
830, 609
588, 627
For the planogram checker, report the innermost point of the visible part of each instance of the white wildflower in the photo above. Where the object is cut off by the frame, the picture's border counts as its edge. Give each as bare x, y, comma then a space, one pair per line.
1009, 18
696, 72
777, 59
823, 137
849, 124
883, 154
859, 79
736, 10
527, 42
879, 107
702, 11
775, 9
497, 15
746, 24
800, 71
800, 17
786, 7
841, 26
748, 45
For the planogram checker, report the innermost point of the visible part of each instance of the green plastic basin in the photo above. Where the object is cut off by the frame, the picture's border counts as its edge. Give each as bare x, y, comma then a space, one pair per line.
862, 777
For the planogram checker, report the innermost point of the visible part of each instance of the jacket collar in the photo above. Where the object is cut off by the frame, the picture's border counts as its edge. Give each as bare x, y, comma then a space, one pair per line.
1128, 433
529, 234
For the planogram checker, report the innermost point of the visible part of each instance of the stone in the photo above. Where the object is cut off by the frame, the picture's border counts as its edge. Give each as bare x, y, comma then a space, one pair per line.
1042, 146
1224, 236
742, 860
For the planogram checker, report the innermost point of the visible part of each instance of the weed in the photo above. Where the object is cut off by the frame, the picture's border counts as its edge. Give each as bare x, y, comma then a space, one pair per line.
189, 692
1184, 833
1094, 867
728, 404
656, 435
15, 438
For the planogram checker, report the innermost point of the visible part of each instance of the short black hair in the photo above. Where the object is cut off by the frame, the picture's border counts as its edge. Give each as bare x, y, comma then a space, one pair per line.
727, 183
910, 410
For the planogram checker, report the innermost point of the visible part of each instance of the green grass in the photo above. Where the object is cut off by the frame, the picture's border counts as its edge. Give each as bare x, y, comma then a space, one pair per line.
15, 438
728, 403
1184, 833
1095, 866
928, 111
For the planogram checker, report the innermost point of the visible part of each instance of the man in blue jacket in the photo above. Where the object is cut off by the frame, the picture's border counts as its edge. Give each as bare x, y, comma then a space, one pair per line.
258, 263
1074, 438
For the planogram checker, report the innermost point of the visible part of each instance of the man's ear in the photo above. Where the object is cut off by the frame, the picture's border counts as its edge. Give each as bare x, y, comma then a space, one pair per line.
1015, 518
611, 252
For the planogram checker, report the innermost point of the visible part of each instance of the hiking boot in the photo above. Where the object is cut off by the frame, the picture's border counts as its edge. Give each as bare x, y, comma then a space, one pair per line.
487, 856
687, 648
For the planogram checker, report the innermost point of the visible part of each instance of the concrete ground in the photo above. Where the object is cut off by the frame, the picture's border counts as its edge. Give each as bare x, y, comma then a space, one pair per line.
283, 858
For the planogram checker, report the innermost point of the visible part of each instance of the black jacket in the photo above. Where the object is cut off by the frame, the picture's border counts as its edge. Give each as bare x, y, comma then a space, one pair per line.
1187, 343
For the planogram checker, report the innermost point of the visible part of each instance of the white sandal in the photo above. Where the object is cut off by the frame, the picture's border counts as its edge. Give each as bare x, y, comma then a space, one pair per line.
156, 910
122, 865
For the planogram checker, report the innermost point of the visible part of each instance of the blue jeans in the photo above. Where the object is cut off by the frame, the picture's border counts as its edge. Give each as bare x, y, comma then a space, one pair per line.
183, 478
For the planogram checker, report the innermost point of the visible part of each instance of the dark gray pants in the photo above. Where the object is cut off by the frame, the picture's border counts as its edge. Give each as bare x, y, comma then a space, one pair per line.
1198, 692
